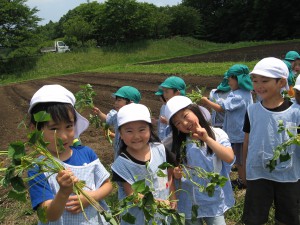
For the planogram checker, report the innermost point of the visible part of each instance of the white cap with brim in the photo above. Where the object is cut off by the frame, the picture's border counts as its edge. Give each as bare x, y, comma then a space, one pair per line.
271, 67
133, 112
175, 104
57, 93
297, 84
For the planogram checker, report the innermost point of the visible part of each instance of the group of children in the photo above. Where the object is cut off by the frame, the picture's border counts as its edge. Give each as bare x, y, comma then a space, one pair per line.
239, 132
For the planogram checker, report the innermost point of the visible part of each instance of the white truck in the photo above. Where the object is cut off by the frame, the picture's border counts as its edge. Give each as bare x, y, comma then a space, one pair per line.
59, 47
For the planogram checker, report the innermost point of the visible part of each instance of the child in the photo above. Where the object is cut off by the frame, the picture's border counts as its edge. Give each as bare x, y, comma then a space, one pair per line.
173, 86
218, 95
54, 192
280, 187
125, 95
292, 61
213, 155
140, 155
235, 106
297, 90
162, 124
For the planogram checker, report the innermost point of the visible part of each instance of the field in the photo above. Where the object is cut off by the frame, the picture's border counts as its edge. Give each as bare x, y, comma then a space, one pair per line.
15, 99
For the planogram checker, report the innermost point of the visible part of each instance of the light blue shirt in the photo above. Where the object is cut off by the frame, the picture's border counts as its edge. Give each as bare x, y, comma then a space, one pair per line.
235, 106
163, 129
132, 172
217, 118
112, 120
264, 138
223, 198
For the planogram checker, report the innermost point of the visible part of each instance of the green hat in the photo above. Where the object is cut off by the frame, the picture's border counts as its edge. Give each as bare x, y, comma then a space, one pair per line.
129, 92
242, 73
291, 77
159, 91
175, 83
224, 86
292, 55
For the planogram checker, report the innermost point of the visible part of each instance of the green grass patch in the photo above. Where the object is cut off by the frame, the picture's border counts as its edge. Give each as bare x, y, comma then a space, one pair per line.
123, 58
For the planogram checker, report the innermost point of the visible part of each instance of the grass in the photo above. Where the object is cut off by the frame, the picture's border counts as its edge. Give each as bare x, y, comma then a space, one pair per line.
123, 58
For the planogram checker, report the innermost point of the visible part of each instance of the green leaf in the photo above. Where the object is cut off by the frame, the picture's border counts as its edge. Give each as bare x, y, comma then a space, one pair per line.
18, 184
139, 186
20, 196
194, 212
160, 173
284, 157
35, 136
165, 165
128, 218
16, 151
42, 116
41, 213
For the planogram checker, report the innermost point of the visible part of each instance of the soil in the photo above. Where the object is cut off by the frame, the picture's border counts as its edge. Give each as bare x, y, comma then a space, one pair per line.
15, 97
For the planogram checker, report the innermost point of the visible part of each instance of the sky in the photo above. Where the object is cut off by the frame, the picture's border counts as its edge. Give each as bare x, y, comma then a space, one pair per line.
55, 9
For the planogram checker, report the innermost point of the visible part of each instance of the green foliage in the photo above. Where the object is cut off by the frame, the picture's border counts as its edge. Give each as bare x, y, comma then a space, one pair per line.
281, 153
196, 96
84, 100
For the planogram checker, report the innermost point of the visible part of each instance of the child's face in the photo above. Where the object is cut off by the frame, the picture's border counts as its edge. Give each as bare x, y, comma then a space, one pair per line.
169, 93
297, 96
267, 87
296, 67
119, 103
233, 83
185, 120
135, 135
61, 130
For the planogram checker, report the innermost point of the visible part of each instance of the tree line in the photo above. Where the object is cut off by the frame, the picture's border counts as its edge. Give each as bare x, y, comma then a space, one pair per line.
119, 21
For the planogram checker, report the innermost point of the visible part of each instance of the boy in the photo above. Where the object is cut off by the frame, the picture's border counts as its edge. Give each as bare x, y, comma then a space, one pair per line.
235, 106
281, 186
54, 192
124, 96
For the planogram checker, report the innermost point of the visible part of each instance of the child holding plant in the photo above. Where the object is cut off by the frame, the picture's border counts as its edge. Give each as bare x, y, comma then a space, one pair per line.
235, 106
218, 95
281, 185
197, 144
123, 96
141, 154
54, 193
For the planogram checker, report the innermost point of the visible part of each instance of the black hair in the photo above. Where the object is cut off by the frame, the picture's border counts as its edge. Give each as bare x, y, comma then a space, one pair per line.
126, 99
179, 137
153, 138
58, 111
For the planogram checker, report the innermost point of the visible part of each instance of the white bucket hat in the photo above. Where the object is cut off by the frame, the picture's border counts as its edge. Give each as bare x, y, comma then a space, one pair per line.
271, 67
297, 84
175, 104
57, 93
133, 112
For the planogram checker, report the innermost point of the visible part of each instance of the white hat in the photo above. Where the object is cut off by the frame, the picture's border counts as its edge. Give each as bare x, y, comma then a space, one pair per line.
175, 104
133, 112
297, 83
57, 93
271, 67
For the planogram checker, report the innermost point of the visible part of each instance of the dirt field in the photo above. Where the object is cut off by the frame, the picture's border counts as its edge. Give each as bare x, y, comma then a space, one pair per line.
15, 97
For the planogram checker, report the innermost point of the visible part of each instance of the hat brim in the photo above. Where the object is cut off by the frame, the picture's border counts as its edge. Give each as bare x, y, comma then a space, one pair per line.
81, 125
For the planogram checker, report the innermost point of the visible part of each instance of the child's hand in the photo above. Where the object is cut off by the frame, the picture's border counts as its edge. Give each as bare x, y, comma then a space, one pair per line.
173, 204
163, 120
177, 172
73, 204
204, 101
199, 132
66, 180
96, 110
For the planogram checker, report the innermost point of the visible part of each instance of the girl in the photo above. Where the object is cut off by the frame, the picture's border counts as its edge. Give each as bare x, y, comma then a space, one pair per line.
54, 192
139, 157
213, 155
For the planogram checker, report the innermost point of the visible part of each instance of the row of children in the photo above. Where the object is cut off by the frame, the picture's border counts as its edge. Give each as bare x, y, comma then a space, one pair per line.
138, 150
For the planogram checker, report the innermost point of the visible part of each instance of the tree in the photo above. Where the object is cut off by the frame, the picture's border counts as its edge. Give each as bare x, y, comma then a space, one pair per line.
17, 33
